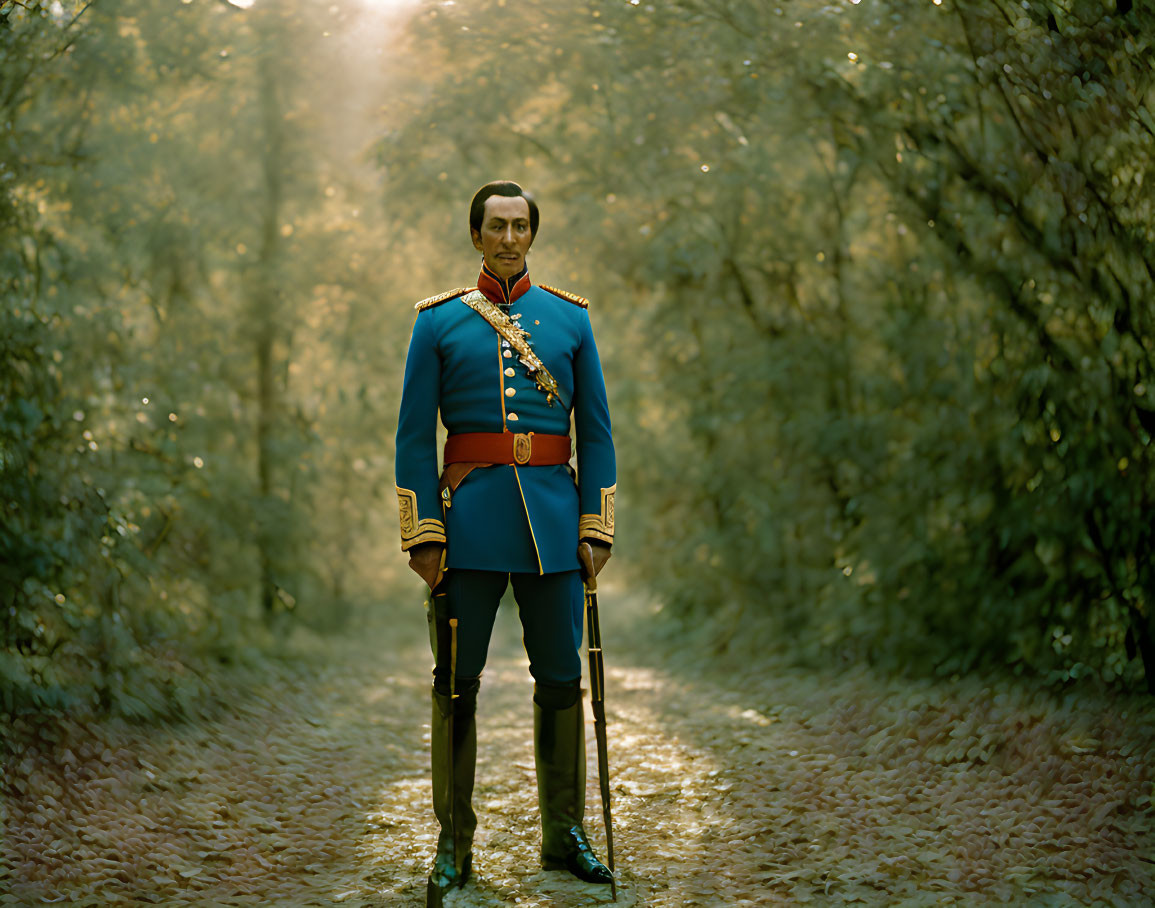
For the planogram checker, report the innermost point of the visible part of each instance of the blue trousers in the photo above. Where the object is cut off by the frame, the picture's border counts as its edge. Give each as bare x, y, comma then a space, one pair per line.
550, 607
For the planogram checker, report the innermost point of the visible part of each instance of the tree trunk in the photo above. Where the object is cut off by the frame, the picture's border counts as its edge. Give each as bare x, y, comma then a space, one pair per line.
265, 316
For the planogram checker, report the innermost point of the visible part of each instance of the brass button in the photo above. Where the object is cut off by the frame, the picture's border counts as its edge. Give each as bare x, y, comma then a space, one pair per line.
508, 354
509, 372
509, 392
512, 417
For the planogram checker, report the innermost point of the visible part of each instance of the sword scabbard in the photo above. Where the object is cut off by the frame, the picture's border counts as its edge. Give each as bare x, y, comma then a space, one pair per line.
597, 697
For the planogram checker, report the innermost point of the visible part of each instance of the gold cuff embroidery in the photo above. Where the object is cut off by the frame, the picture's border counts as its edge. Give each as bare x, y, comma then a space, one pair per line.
589, 531
600, 526
414, 531
428, 530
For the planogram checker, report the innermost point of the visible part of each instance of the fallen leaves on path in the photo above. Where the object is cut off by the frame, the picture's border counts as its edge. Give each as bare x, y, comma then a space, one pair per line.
781, 787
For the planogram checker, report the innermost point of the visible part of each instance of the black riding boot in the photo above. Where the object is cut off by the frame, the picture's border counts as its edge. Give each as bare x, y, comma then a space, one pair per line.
453, 790
560, 757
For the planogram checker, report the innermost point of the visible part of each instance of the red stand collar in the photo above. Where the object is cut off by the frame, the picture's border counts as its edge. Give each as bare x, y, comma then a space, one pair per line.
502, 292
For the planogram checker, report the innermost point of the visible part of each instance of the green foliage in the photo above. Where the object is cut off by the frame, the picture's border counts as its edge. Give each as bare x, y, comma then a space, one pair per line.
177, 325
870, 280
1028, 169
871, 283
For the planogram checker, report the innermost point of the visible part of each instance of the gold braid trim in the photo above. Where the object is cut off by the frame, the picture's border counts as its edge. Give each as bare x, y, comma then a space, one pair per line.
567, 296
440, 298
414, 531
600, 526
518, 339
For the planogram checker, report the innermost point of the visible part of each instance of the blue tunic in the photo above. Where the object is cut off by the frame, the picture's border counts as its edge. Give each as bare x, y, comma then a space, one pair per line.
525, 519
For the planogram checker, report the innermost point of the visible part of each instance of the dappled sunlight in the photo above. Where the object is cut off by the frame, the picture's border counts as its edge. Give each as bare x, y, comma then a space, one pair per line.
783, 787
871, 289
849, 788
399, 837
379, 694
634, 678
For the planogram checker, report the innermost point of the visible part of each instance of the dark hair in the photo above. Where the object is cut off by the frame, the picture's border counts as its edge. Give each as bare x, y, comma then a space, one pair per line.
506, 188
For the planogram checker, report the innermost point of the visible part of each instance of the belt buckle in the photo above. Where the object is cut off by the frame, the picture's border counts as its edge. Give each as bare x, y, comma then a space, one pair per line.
522, 448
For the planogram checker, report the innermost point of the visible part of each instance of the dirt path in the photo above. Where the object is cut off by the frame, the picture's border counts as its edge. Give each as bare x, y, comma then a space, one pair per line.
784, 788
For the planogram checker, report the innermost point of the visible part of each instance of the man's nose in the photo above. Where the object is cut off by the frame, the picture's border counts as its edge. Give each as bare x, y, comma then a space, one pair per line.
507, 235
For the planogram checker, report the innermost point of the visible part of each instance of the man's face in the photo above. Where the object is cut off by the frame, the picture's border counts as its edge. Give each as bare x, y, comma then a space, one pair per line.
504, 238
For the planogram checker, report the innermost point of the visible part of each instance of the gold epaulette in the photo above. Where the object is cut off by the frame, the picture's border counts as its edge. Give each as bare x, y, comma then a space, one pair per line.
567, 296
441, 298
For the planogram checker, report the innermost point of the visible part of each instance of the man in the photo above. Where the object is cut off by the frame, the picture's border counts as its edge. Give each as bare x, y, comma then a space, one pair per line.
507, 364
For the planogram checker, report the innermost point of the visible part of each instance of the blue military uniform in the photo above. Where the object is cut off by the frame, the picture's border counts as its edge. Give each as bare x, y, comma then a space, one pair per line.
505, 517
510, 367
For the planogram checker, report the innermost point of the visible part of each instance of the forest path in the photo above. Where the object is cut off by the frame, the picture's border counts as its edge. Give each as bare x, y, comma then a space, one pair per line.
781, 787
